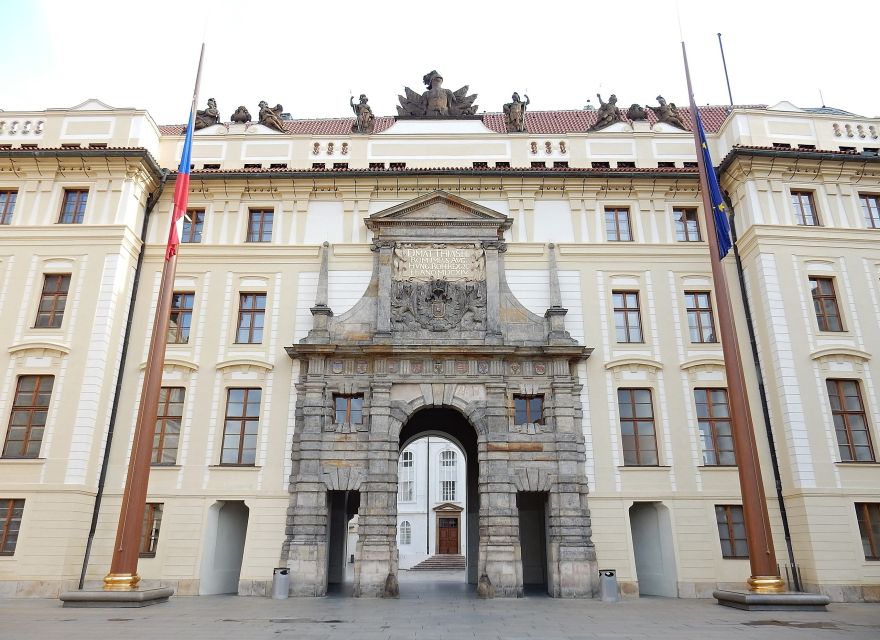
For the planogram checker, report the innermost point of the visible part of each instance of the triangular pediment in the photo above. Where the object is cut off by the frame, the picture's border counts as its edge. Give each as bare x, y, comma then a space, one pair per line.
448, 507
92, 104
439, 208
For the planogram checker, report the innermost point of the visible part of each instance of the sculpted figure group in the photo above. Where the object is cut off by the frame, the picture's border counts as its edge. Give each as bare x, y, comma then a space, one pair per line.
608, 113
269, 116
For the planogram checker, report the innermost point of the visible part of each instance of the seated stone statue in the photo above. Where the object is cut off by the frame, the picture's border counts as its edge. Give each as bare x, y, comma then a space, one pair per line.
207, 117
271, 116
668, 113
241, 115
636, 112
608, 113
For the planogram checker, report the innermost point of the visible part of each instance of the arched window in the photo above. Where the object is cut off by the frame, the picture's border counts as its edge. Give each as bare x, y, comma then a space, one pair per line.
405, 532
406, 478
448, 474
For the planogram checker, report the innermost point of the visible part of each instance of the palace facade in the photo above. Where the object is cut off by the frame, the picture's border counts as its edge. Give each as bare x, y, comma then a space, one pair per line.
534, 286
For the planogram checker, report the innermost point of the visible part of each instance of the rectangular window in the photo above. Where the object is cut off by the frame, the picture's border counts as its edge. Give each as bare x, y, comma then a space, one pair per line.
181, 317
169, 415
406, 477
731, 531
804, 208
10, 524
867, 513
150, 530
825, 304
850, 421
260, 225
193, 220
73, 206
528, 409
699, 313
53, 300
251, 318
627, 317
617, 227
713, 416
241, 426
7, 205
27, 420
637, 427
349, 408
447, 490
870, 209
687, 227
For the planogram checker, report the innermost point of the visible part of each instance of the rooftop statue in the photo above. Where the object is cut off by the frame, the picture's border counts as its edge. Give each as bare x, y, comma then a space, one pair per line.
636, 112
241, 115
364, 120
668, 113
207, 117
515, 114
437, 102
271, 116
608, 113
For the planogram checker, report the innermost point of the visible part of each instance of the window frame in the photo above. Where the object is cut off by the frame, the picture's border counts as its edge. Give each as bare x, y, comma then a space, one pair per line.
244, 421
870, 214
615, 213
193, 225
163, 418
31, 410
257, 234
868, 523
13, 505
405, 532
801, 216
406, 477
844, 413
251, 312
683, 226
7, 205
822, 317
178, 333
55, 318
627, 311
348, 409
448, 475
80, 201
736, 543
698, 312
526, 399
712, 421
150, 529
635, 421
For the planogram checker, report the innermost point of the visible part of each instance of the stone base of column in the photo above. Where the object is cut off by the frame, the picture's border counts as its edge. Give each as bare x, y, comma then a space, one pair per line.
785, 601
574, 572
99, 598
376, 573
502, 567
308, 570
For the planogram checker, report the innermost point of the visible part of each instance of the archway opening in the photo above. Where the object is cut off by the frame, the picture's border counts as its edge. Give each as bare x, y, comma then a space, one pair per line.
224, 547
447, 526
653, 549
342, 509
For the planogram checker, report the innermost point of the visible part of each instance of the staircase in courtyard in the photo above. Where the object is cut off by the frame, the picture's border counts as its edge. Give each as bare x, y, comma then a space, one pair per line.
442, 562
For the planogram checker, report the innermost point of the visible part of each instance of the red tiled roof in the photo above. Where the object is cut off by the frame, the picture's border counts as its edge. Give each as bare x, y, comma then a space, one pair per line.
537, 122
455, 170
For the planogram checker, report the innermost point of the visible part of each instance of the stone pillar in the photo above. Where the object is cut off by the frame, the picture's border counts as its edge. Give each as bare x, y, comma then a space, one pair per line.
383, 301
555, 314
322, 312
493, 296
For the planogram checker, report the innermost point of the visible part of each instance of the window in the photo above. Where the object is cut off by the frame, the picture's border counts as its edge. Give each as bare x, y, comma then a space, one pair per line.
687, 227
781, 145
867, 513
73, 207
825, 304
804, 208
181, 317
10, 524
340, 165
150, 530
168, 418
481, 165
253, 165
260, 225
448, 474
7, 204
600, 165
27, 420
193, 220
560, 164
731, 531
405, 532
713, 417
349, 408
666, 165
850, 421
241, 426
870, 209
53, 300
528, 409
637, 427
251, 318
699, 312
626, 165
377, 165
318, 165
617, 226
406, 478
627, 318
208, 166
278, 165
502, 165
397, 165
539, 165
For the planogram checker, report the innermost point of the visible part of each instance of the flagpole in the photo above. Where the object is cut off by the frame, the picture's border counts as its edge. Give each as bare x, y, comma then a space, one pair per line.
123, 574
762, 556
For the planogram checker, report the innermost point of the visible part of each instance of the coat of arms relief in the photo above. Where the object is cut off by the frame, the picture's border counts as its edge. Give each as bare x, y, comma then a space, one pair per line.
438, 287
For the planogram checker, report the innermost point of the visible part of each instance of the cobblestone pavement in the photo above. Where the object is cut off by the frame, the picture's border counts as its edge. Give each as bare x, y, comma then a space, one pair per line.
428, 610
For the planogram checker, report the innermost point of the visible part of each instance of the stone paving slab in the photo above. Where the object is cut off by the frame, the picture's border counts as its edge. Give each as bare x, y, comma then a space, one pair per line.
428, 612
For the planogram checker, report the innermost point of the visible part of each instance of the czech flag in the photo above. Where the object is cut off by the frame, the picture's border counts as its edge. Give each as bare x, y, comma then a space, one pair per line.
181, 189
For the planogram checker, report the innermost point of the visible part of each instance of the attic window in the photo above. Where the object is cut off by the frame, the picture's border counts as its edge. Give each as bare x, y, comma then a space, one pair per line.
211, 166
317, 165
600, 165
71, 145
481, 165
28, 146
666, 165
278, 165
560, 164
5, 146
626, 165
808, 147
691, 165
502, 165
539, 165
377, 165
871, 151
397, 165
850, 149
340, 165
254, 165
781, 145
97, 145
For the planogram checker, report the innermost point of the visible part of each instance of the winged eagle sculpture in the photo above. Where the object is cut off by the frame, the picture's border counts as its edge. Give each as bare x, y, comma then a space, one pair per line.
437, 102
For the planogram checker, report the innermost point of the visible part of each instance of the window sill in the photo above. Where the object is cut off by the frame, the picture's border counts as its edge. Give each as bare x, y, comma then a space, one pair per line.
718, 467
644, 467
164, 466
235, 467
23, 460
854, 463
146, 555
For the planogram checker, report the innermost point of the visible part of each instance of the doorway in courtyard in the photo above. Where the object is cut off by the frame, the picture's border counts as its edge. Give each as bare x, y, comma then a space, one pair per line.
226, 531
437, 499
653, 549
532, 508
342, 509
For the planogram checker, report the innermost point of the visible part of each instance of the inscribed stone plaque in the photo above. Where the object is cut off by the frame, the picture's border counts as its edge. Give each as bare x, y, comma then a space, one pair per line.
423, 262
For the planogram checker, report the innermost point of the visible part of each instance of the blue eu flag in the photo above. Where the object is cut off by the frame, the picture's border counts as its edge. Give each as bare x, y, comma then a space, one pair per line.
719, 209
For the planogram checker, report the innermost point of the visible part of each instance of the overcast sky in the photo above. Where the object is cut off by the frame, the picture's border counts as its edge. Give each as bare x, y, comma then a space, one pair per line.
309, 56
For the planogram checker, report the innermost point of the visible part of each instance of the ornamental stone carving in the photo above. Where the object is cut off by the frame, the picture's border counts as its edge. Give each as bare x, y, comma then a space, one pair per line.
438, 305
436, 102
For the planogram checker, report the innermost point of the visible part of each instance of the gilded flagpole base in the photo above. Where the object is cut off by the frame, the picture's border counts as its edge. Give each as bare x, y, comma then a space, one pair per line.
761, 584
121, 581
